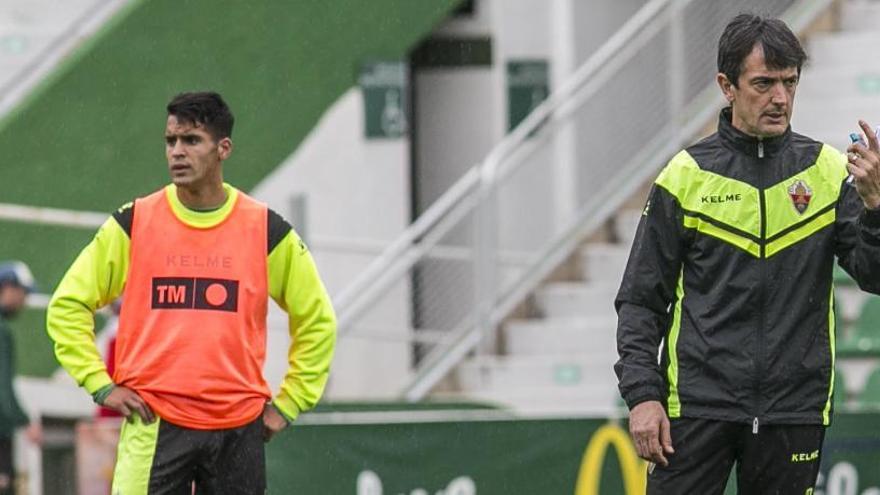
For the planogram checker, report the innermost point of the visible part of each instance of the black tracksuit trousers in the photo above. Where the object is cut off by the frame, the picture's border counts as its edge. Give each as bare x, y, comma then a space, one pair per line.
778, 459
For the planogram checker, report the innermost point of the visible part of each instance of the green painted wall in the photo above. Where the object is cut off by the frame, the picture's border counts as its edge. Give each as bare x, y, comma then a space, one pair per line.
519, 457
91, 136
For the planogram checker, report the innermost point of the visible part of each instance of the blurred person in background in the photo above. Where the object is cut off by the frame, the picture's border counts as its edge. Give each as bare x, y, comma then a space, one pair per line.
197, 262
16, 282
731, 270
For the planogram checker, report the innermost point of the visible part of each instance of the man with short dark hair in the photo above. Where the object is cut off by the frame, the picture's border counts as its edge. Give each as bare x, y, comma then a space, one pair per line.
196, 262
16, 282
731, 269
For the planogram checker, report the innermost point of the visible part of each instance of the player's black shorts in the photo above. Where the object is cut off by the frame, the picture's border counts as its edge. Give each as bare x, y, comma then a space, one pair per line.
779, 459
166, 459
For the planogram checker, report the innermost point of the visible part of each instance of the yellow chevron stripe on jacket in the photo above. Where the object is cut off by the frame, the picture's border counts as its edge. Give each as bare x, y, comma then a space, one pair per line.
731, 210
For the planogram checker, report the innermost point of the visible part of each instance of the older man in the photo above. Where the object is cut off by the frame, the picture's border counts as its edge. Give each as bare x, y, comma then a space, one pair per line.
731, 269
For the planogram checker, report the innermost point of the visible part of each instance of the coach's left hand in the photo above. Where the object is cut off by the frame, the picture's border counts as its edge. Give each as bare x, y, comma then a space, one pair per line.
273, 422
864, 165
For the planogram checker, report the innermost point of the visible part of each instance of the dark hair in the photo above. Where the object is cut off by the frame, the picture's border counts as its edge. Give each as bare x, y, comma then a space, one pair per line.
781, 47
205, 108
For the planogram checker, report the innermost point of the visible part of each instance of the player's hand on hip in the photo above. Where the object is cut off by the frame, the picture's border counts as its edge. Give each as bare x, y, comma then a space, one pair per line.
864, 165
649, 427
273, 422
128, 403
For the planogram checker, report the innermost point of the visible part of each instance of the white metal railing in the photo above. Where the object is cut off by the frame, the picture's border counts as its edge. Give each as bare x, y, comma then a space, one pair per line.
648, 71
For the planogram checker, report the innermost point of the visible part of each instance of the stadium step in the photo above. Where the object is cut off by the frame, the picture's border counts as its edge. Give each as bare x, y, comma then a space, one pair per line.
821, 84
860, 16
626, 222
831, 120
576, 383
562, 362
603, 264
844, 49
576, 300
588, 336
543, 402
559, 372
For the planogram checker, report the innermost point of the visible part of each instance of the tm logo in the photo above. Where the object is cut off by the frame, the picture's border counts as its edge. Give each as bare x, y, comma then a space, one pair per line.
195, 293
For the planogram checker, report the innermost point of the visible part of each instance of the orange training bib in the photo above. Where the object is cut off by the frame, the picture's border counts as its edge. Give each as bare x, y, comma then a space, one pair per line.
192, 332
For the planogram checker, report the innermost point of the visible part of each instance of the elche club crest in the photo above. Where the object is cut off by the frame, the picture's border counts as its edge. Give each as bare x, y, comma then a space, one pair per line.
800, 194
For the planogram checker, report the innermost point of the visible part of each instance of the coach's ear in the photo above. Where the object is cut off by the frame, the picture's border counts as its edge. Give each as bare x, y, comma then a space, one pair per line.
726, 87
224, 148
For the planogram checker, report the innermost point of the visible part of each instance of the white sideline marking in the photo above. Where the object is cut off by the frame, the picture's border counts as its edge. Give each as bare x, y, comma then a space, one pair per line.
444, 416
52, 216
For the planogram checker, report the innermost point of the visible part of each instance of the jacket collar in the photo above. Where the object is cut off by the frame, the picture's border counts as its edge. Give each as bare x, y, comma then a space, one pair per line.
750, 145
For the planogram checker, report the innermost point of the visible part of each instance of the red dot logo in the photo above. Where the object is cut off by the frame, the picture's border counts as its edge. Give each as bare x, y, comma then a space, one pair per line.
216, 294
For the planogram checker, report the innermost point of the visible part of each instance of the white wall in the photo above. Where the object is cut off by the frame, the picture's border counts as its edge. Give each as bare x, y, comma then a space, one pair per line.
463, 112
455, 121
357, 195
527, 30
595, 22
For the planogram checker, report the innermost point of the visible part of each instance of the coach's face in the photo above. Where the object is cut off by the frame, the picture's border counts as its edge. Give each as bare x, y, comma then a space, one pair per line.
763, 98
194, 157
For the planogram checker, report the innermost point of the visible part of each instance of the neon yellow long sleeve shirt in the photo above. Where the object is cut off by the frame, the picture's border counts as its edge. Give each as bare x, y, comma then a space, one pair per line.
99, 273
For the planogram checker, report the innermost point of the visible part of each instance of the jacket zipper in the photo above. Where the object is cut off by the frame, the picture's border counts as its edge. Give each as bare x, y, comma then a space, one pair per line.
759, 340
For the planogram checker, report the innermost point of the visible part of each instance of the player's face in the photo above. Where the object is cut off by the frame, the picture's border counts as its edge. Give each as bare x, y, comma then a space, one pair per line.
12, 299
763, 102
194, 157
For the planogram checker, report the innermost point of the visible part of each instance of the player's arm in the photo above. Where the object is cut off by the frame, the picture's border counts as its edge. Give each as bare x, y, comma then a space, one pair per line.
95, 278
295, 285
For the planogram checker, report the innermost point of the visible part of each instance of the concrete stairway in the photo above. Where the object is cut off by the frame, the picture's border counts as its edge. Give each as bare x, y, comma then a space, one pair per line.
560, 362
841, 86
841, 83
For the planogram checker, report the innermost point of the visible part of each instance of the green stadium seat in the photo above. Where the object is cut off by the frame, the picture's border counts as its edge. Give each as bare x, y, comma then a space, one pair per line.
865, 337
841, 277
840, 393
840, 326
870, 395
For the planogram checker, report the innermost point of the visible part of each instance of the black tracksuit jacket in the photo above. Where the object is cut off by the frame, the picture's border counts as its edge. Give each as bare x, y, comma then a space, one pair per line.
731, 269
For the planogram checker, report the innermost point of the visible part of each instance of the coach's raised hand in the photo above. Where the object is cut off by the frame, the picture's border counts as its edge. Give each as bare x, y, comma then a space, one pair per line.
864, 165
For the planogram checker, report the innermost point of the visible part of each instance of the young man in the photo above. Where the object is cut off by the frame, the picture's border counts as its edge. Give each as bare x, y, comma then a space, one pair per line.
731, 269
16, 282
196, 262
